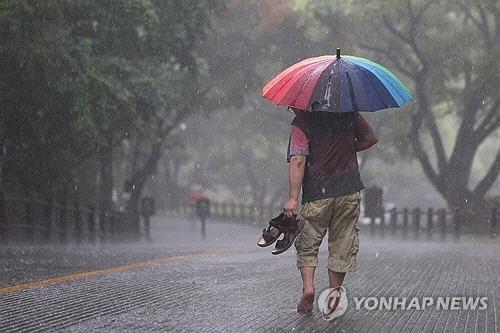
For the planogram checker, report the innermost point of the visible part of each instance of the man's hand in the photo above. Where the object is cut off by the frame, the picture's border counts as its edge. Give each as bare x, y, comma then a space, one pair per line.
290, 207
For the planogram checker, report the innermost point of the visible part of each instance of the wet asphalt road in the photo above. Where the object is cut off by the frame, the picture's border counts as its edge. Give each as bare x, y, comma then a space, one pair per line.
239, 287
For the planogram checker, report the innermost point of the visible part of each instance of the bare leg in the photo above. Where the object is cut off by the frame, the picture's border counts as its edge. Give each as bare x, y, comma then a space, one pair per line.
307, 301
335, 278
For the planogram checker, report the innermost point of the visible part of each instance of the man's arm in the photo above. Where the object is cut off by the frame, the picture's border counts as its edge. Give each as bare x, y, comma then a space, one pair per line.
368, 141
295, 177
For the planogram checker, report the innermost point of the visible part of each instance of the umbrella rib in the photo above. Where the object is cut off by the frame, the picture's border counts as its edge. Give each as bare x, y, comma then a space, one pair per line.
396, 91
386, 83
386, 77
295, 74
377, 91
305, 64
288, 80
369, 75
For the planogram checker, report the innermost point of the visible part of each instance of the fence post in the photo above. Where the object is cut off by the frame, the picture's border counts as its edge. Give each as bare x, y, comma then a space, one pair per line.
442, 223
78, 223
112, 225
63, 223
232, 211
416, 222
30, 218
120, 229
91, 223
4, 218
494, 222
224, 210
405, 223
102, 225
394, 220
456, 225
52, 232
430, 217
227, 210
242, 212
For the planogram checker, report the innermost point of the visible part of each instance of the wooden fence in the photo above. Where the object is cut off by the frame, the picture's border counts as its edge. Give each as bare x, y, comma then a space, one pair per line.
246, 214
430, 224
31, 220
417, 223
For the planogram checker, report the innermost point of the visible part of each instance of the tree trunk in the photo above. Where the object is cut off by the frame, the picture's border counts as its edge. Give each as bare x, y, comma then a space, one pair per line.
173, 194
140, 177
107, 181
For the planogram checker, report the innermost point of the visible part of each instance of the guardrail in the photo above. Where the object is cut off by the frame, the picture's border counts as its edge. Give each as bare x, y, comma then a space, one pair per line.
31, 220
246, 214
433, 224
406, 223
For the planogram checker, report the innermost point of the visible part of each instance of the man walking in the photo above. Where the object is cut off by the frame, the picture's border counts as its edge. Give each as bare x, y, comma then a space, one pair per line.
322, 156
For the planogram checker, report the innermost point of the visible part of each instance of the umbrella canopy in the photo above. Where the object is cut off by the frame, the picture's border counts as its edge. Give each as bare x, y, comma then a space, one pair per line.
337, 84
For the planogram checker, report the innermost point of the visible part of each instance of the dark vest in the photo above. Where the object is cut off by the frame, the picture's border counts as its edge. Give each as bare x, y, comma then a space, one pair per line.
332, 165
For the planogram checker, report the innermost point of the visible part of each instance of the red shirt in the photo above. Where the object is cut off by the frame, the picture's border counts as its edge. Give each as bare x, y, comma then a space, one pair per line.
328, 140
299, 144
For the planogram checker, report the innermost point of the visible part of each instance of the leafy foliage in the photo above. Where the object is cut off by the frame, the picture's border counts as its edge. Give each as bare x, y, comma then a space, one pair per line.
94, 88
80, 77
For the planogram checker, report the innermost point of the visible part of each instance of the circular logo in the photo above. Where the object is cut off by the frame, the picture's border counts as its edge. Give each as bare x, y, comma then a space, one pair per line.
333, 302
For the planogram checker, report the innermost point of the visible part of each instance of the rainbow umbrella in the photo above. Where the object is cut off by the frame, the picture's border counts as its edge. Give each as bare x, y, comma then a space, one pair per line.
337, 84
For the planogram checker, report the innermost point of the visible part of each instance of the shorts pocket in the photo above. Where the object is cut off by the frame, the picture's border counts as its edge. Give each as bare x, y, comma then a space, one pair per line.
353, 197
352, 204
314, 209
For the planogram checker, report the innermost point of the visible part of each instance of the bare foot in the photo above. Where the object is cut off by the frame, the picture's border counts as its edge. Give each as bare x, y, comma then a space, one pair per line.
306, 302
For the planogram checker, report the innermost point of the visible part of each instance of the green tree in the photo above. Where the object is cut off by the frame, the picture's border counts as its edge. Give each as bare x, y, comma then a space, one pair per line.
171, 89
448, 51
81, 78
240, 151
117, 36
38, 123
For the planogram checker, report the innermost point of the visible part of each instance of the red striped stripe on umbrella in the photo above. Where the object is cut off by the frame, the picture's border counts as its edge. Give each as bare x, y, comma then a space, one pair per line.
294, 86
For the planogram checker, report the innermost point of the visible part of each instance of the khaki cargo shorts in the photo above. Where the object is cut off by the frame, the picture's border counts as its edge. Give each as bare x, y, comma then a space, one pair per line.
339, 216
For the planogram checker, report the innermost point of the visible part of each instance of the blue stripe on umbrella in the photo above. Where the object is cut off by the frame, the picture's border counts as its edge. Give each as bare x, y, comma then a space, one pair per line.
399, 94
363, 90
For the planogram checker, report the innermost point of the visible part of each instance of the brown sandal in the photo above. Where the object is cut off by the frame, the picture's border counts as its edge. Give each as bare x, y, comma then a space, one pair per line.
277, 226
289, 236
